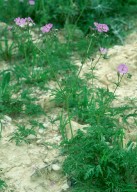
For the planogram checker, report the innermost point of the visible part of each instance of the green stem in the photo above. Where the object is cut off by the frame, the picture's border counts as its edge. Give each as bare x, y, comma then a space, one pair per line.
67, 104
117, 85
92, 71
96, 63
84, 58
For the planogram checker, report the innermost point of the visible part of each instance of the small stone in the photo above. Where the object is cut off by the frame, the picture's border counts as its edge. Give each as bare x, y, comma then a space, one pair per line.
65, 187
109, 77
38, 136
46, 124
55, 128
56, 167
46, 160
41, 131
49, 147
58, 138
40, 141
31, 137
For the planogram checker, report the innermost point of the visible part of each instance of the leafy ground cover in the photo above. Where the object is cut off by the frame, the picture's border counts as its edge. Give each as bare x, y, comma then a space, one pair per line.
41, 43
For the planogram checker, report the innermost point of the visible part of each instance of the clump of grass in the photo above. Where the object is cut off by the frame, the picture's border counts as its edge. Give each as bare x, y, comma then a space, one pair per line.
21, 134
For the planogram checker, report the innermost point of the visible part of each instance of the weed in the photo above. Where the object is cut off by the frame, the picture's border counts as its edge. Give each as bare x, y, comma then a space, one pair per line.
96, 160
35, 123
21, 134
3, 184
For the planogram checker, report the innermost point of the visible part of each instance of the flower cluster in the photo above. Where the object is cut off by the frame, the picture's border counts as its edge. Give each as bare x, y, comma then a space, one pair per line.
122, 69
32, 2
101, 27
46, 28
103, 51
22, 22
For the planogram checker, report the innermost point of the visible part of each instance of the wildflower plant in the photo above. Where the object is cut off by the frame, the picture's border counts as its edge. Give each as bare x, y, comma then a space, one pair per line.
97, 156
22, 22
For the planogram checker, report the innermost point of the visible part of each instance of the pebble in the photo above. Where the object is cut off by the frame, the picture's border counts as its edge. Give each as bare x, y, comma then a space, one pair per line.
49, 147
31, 137
58, 138
46, 160
38, 136
65, 187
56, 167
40, 141
41, 131
55, 128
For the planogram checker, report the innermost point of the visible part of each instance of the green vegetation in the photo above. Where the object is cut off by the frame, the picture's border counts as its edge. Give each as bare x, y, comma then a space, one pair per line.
2, 184
97, 159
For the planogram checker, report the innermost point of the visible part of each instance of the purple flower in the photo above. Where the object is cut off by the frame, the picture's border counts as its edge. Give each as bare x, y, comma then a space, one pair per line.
23, 21
101, 27
20, 21
32, 2
30, 22
46, 28
103, 51
122, 69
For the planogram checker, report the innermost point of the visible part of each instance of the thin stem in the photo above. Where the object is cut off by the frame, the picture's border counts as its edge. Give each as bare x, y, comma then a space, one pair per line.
96, 63
92, 70
85, 57
118, 83
67, 104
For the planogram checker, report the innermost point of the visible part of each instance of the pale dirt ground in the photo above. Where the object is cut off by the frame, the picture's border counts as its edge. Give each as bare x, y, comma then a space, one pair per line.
37, 168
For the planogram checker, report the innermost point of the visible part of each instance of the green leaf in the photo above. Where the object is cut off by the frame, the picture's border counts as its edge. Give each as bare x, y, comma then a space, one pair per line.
5, 81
